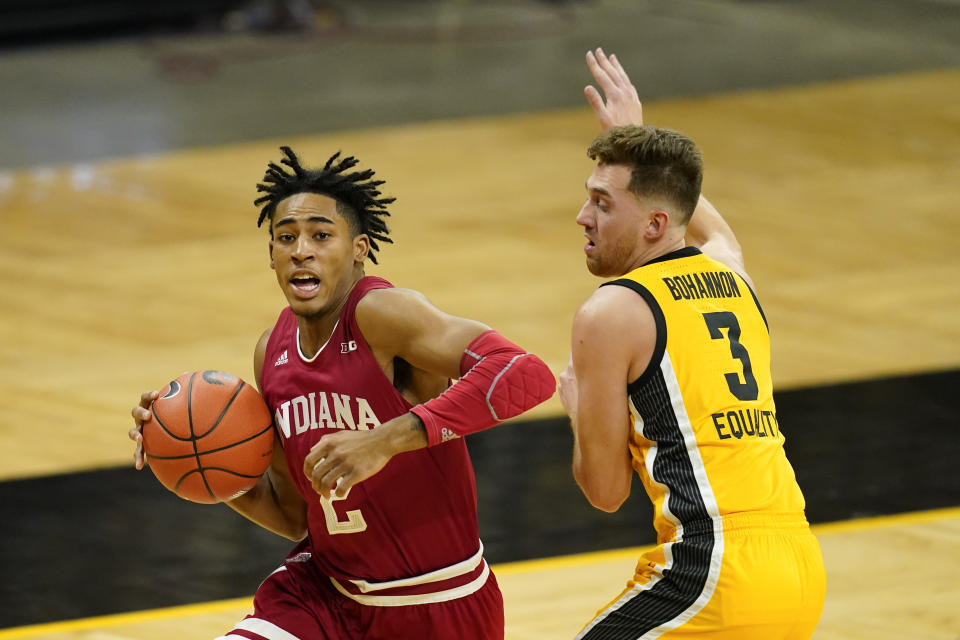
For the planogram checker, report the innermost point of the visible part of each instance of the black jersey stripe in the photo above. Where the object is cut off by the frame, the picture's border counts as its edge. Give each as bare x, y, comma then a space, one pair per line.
685, 579
757, 302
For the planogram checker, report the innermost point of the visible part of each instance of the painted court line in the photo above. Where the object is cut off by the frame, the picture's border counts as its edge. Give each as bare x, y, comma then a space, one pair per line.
509, 568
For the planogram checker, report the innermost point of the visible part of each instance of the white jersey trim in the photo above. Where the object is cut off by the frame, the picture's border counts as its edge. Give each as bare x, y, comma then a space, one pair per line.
709, 503
423, 598
454, 570
262, 628
320, 350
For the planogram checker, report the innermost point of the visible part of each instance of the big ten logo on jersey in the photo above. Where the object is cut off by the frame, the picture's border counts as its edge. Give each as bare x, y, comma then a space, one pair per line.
347, 347
320, 410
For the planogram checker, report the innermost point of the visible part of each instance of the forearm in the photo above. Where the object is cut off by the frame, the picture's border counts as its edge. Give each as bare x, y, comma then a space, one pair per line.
706, 225
266, 505
708, 231
403, 433
498, 381
601, 467
603, 476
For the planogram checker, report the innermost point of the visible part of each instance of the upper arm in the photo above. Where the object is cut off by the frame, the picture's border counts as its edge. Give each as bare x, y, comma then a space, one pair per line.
613, 337
277, 486
259, 353
403, 323
612, 341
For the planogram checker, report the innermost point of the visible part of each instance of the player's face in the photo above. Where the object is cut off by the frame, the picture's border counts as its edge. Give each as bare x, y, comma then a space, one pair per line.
314, 253
612, 222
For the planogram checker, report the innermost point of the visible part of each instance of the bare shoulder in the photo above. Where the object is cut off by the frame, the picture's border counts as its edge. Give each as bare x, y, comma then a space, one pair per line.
264, 339
390, 302
389, 317
615, 324
390, 309
259, 353
613, 308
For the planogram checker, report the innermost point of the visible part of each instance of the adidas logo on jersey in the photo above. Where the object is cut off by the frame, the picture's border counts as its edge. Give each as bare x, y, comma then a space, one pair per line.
282, 359
447, 434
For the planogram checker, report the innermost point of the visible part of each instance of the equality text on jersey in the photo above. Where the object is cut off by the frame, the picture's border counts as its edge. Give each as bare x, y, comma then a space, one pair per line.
322, 410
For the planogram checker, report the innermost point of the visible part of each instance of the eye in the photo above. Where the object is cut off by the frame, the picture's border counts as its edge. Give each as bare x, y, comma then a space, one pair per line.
285, 237
600, 204
321, 235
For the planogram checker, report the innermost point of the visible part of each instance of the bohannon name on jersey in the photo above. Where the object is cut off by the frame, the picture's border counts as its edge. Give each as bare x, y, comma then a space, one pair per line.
319, 410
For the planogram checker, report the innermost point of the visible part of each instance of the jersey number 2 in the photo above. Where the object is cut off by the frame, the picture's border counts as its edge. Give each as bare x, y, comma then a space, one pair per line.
354, 522
746, 390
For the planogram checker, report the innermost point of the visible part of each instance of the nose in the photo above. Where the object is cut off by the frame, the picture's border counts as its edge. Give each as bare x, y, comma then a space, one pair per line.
584, 218
303, 249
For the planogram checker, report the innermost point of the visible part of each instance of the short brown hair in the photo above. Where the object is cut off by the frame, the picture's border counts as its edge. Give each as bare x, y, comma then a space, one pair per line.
663, 163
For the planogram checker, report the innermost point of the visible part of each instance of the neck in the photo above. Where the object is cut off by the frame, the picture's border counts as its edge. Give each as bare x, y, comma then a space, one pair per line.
316, 329
660, 248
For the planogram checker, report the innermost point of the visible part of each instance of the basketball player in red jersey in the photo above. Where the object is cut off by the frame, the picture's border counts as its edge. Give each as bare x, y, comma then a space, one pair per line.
370, 472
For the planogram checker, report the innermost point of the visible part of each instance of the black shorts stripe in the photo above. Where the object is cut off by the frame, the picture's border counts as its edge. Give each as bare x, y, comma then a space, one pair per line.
684, 581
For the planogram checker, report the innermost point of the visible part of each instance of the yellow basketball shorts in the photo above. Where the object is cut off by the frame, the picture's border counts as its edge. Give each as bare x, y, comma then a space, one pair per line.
749, 576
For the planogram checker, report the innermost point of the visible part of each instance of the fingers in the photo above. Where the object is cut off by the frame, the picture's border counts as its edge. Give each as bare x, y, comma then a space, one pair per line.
608, 71
330, 478
595, 100
619, 103
323, 470
141, 414
617, 69
138, 458
598, 65
147, 398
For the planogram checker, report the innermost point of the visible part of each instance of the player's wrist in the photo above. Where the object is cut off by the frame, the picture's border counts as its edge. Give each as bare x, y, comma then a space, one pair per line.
407, 433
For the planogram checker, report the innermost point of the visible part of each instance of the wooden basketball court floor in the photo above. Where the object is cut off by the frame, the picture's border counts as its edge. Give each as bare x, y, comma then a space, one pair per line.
117, 275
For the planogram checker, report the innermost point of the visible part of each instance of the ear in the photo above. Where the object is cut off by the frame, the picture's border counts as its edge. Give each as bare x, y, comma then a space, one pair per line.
361, 248
657, 223
271, 255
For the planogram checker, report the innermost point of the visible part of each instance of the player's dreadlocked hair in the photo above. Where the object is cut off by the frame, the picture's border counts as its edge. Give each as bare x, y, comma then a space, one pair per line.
355, 192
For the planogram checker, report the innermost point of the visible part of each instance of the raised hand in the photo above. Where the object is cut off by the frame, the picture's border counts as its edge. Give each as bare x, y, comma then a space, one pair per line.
619, 104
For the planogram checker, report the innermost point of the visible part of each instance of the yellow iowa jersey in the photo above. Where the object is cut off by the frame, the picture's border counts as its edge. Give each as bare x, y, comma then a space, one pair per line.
705, 440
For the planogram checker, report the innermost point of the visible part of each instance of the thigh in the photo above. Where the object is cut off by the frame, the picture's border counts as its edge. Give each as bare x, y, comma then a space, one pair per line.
770, 586
292, 605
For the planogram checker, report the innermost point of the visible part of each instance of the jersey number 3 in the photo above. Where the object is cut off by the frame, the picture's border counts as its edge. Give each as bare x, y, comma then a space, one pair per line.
746, 390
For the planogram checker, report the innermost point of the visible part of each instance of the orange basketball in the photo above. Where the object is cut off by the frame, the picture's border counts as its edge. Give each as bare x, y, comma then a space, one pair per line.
210, 438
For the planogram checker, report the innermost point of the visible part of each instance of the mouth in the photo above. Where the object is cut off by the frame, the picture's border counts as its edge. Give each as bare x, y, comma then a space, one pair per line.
305, 284
590, 246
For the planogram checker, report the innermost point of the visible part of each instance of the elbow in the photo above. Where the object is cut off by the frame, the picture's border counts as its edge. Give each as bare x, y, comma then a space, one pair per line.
295, 524
608, 501
291, 526
602, 494
295, 534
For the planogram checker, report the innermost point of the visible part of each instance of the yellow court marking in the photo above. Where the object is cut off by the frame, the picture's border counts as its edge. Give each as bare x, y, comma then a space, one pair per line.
502, 570
101, 622
879, 522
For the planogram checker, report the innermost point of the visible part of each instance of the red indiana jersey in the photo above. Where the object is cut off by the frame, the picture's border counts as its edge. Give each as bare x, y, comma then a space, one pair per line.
406, 535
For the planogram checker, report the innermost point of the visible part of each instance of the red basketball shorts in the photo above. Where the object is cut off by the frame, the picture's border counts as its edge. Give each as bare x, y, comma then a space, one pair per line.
296, 602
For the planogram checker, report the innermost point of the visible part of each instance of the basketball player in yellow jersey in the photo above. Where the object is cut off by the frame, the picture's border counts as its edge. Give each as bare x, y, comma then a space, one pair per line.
670, 377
